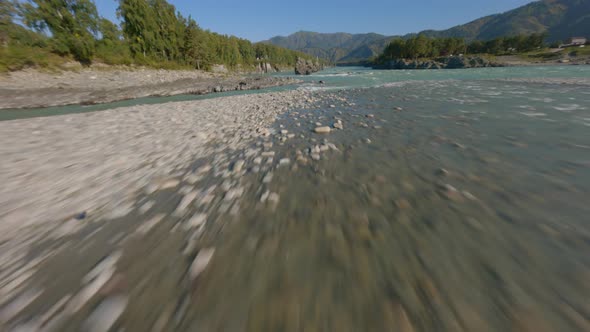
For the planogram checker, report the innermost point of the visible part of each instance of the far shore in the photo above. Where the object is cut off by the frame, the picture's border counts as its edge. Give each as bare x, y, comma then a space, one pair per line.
35, 89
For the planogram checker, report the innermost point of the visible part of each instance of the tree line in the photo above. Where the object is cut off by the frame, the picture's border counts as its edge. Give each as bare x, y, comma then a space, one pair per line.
422, 46
152, 32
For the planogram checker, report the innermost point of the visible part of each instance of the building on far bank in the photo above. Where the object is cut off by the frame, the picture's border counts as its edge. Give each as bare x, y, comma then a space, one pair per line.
577, 41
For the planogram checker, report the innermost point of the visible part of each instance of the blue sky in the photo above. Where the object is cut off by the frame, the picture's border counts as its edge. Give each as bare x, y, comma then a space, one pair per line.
259, 20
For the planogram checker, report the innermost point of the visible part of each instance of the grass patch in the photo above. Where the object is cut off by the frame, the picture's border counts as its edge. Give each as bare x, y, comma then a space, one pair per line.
16, 57
578, 51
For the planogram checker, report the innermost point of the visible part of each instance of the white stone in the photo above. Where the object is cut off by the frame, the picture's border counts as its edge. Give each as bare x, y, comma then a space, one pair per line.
106, 314
201, 261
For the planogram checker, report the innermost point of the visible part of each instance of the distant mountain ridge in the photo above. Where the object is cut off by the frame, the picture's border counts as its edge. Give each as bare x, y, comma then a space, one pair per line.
330, 46
560, 19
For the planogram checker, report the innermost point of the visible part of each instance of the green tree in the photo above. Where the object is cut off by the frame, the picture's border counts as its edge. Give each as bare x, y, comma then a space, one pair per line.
195, 50
139, 26
73, 24
109, 31
7, 12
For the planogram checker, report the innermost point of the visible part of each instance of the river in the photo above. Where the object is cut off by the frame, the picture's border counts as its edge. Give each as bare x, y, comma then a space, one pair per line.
451, 200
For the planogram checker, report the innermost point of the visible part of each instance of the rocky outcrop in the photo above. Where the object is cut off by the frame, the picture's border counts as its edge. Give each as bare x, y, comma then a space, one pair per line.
307, 67
453, 62
265, 67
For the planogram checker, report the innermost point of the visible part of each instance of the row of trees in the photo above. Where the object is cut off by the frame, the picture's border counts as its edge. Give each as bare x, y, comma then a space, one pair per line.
424, 47
151, 31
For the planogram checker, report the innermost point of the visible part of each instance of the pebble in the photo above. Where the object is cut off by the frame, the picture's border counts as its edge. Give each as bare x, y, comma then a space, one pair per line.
458, 146
284, 132
333, 147
264, 196
94, 281
267, 178
322, 130
315, 156
403, 204
442, 172
368, 141
268, 154
451, 193
106, 314
263, 132
284, 161
201, 261
184, 203
170, 184
469, 195
332, 106
238, 165
148, 225
370, 116
233, 194
13, 308
203, 169
192, 178
196, 221
257, 161
273, 198
338, 125
399, 109
120, 211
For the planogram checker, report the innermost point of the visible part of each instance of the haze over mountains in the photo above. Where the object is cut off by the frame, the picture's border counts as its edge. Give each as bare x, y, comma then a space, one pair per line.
560, 19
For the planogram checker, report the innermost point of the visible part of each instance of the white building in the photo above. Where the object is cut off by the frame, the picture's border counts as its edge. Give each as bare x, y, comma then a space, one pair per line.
577, 41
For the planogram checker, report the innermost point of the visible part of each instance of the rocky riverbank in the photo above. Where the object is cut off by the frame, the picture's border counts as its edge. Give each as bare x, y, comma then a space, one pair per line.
85, 162
454, 62
353, 210
30, 89
459, 62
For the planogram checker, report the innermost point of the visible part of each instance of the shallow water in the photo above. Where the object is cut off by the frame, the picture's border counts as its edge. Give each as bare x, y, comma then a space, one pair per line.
373, 239
337, 78
453, 201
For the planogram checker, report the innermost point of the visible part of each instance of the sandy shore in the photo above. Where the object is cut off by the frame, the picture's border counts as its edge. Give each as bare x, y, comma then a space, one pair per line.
31, 88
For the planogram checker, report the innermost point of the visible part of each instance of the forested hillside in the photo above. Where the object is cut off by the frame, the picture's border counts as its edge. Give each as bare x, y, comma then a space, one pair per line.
558, 20
330, 46
422, 46
152, 33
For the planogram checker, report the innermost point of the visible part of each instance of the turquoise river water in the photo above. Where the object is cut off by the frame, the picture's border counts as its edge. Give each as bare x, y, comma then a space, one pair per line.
454, 200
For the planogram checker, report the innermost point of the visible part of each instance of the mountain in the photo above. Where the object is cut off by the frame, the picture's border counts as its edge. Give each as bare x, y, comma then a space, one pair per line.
560, 19
332, 46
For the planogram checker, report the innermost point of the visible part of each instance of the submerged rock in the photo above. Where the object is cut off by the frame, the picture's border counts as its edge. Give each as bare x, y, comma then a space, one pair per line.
201, 261
106, 314
322, 130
